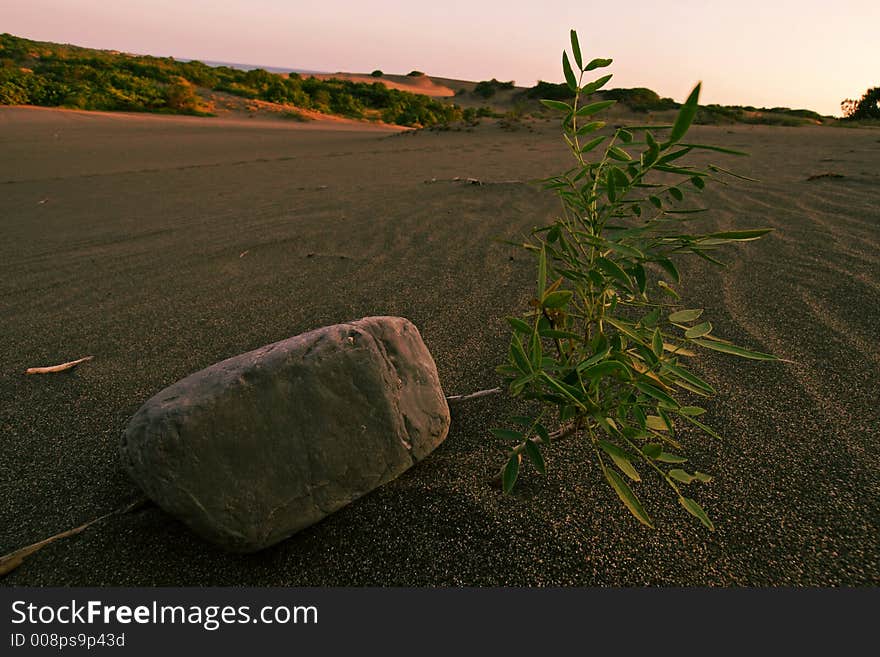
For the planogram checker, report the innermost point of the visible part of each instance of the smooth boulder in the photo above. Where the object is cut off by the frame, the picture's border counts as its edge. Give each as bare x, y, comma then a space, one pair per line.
255, 448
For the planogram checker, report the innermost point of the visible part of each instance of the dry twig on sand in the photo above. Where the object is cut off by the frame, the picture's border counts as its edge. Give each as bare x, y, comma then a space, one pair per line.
13, 560
57, 368
455, 399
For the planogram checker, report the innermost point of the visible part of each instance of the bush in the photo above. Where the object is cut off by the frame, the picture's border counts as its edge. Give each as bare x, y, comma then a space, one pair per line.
377, 73
641, 99
414, 74
181, 97
550, 91
487, 88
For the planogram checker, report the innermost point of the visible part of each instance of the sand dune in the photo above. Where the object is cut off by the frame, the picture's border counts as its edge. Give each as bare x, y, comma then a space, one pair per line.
163, 244
420, 84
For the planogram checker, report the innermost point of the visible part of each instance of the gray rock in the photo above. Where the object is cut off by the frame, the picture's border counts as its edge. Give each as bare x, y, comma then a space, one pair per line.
254, 448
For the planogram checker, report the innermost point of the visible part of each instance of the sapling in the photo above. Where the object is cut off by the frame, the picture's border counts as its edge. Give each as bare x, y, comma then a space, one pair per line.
602, 350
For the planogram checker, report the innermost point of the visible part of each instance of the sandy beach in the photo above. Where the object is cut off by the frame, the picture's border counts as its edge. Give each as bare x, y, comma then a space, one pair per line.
161, 245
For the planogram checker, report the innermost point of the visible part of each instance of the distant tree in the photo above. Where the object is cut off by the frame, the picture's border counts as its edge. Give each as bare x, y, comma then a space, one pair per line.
867, 107
414, 74
377, 73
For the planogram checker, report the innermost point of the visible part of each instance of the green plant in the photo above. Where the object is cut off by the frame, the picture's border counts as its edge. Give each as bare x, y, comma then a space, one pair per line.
599, 348
377, 73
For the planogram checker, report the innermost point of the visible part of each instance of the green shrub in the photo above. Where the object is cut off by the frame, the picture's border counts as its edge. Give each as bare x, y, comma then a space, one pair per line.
641, 99
550, 91
487, 88
603, 347
377, 73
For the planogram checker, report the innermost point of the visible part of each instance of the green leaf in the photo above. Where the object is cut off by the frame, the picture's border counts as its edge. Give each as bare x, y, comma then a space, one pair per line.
655, 201
556, 299
691, 410
590, 127
507, 434
519, 325
536, 457
590, 145
619, 154
681, 475
613, 270
511, 471
669, 267
603, 369
656, 423
641, 277
666, 457
628, 497
676, 193
559, 335
727, 348
570, 79
699, 330
594, 108
692, 379
576, 49
556, 105
541, 430
702, 477
518, 355
697, 511
598, 63
685, 116
596, 84
592, 360
621, 458
652, 450
656, 393
657, 343
682, 316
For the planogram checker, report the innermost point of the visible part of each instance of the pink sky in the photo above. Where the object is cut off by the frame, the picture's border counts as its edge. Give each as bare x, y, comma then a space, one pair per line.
802, 53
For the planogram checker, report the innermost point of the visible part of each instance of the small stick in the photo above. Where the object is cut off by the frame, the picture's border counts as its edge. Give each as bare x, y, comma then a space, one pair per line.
455, 399
13, 560
57, 368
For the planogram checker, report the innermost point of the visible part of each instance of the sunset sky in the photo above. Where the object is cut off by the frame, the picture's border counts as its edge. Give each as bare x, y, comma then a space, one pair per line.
802, 53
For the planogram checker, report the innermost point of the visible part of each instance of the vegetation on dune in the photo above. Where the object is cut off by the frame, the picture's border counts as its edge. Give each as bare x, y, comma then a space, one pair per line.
603, 348
54, 75
641, 99
488, 88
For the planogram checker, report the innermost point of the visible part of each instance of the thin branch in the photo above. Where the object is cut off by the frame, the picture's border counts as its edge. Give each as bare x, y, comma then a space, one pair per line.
57, 368
13, 560
456, 399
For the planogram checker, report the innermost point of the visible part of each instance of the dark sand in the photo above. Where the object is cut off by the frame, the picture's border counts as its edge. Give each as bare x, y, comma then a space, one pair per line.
122, 238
